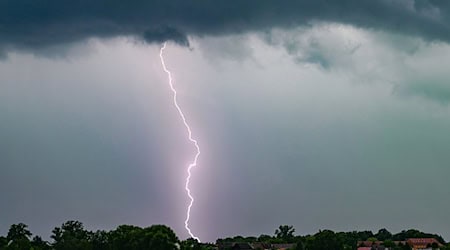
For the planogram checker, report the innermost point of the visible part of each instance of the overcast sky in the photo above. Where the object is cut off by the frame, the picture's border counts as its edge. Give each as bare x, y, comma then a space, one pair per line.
320, 115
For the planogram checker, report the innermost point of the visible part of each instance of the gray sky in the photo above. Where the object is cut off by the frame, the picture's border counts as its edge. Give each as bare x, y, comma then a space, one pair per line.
303, 118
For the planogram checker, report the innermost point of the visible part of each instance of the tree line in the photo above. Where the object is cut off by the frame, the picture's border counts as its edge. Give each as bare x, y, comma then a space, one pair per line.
330, 240
72, 235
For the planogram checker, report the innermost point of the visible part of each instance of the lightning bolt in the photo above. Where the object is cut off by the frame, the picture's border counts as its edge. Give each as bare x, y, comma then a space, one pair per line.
191, 139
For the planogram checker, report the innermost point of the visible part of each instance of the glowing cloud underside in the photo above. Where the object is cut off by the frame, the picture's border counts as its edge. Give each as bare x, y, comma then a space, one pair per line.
191, 139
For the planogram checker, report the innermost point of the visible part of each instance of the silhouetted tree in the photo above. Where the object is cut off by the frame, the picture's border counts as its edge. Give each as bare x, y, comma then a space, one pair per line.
157, 237
190, 244
364, 235
264, 238
38, 244
324, 240
18, 231
3, 242
100, 240
348, 239
383, 234
18, 237
160, 237
71, 236
126, 237
285, 232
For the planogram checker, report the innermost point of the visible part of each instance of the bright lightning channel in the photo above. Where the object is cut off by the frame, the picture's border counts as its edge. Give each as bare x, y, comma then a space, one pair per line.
191, 139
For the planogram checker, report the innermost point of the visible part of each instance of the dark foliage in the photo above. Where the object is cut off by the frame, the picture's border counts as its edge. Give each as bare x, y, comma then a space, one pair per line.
73, 235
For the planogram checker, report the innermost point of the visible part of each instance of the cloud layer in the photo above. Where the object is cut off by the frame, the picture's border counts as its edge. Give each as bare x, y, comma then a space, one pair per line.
27, 24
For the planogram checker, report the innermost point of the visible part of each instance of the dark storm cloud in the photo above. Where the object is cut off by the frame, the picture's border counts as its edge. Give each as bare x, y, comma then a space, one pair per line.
28, 24
165, 33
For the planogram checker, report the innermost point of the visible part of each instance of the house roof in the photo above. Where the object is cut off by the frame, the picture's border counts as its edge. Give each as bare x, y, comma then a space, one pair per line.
422, 241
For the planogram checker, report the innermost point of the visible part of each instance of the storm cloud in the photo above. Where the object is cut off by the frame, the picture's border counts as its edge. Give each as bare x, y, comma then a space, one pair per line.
33, 25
